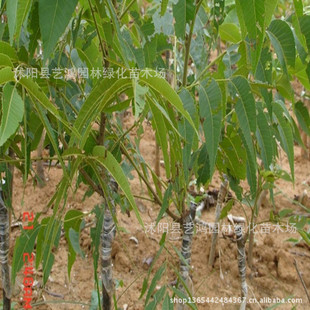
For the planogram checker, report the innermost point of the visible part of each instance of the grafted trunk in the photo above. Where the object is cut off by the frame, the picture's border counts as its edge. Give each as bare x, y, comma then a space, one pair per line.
242, 266
261, 199
220, 200
186, 251
107, 237
4, 254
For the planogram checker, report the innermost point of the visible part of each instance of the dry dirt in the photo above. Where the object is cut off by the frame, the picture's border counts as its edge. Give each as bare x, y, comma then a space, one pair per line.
274, 274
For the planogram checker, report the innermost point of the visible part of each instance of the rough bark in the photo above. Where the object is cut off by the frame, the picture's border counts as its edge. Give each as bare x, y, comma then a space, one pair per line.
220, 200
107, 237
242, 265
186, 251
4, 254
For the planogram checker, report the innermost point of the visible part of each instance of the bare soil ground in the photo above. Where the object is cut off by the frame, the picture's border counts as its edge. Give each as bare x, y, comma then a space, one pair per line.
274, 274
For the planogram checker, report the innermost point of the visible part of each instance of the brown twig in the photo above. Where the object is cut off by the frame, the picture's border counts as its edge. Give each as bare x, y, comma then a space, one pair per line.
53, 294
103, 120
301, 280
90, 181
300, 254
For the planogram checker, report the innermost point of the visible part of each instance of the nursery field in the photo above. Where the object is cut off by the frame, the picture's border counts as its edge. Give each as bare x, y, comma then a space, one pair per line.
154, 154
274, 274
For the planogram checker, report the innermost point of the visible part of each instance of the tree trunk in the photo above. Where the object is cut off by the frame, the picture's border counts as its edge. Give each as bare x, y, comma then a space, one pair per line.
262, 198
186, 252
4, 254
107, 237
220, 200
242, 266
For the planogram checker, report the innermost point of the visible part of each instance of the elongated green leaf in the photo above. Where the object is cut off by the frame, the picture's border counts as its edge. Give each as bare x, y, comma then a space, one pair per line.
139, 98
282, 39
170, 122
230, 33
303, 117
163, 88
34, 28
285, 130
245, 107
264, 68
298, 7
34, 90
305, 235
210, 106
12, 16
41, 102
179, 12
23, 7
6, 75
5, 61
251, 14
161, 135
265, 139
12, 112
284, 87
54, 18
105, 158
8, 50
183, 12
24, 244
232, 157
51, 239
85, 57
165, 203
270, 6
97, 100
187, 131
163, 8
119, 38
167, 305
74, 237
157, 298
203, 172
305, 28
246, 113
154, 281
251, 17
226, 209
72, 221
40, 241
50, 132
296, 134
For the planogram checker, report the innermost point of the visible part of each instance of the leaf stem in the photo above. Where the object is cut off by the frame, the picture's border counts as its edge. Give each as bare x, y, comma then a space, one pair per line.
127, 9
104, 55
203, 72
156, 198
188, 41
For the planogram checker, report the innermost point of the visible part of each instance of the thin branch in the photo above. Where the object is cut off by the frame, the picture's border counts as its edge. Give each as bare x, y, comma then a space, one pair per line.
90, 181
127, 8
103, 120
188, 41
156, 198
97, 30
301, 279
300, 254
207, 68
